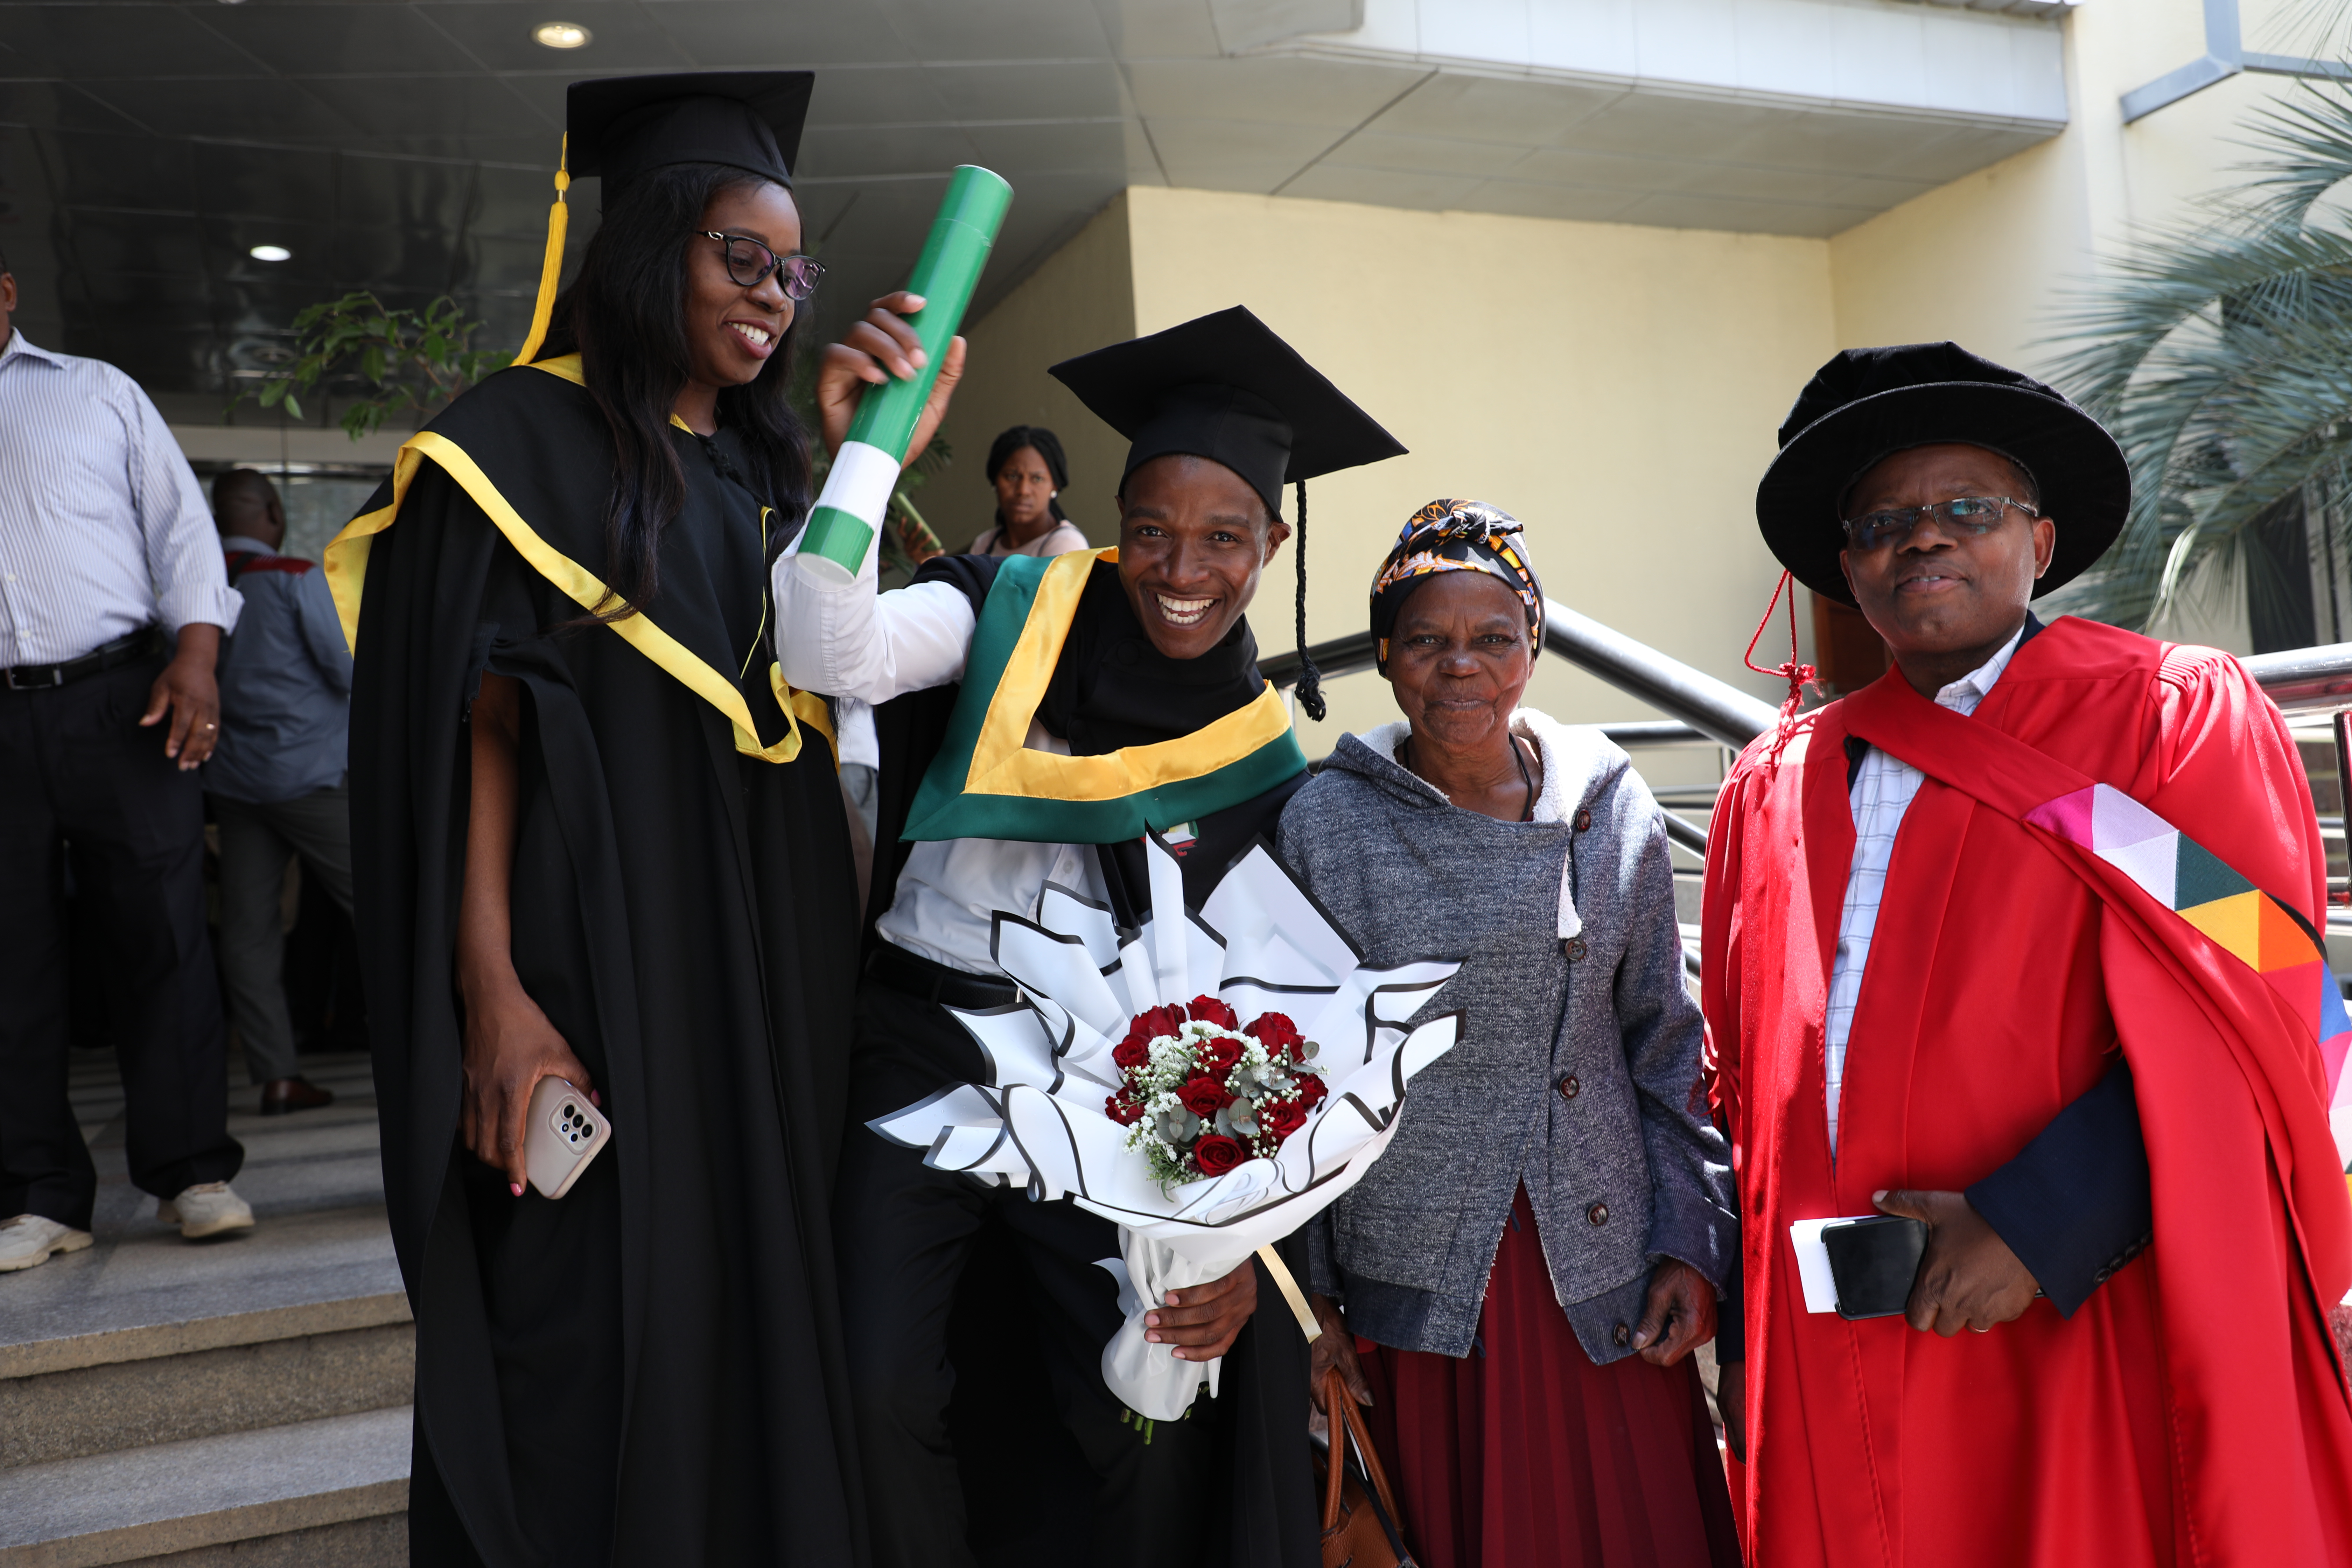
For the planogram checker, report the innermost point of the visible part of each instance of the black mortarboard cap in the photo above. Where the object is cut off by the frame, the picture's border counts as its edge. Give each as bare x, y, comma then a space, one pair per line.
619, 127
1226, 388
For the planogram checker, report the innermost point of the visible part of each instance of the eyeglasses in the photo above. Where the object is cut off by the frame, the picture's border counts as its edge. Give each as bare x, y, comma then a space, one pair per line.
749, 263
1966, 516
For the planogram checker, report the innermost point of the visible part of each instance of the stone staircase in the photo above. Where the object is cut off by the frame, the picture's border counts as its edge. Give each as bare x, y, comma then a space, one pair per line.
238, 1403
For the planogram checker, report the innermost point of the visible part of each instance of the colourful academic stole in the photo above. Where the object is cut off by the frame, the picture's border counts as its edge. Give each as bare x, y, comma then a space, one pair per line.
985, 782
2130, 856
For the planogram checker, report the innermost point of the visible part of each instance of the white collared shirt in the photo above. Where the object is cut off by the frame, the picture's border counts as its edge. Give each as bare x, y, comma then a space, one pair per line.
848, 641
1883, 788
103, 528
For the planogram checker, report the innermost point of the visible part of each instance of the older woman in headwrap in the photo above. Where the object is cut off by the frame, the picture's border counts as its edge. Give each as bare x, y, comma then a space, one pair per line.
1542, 1246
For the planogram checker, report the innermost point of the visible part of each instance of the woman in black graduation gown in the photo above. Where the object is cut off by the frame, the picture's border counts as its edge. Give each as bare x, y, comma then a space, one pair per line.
598, 839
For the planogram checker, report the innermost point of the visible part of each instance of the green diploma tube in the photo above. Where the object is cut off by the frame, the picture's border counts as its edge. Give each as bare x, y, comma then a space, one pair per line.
847, 517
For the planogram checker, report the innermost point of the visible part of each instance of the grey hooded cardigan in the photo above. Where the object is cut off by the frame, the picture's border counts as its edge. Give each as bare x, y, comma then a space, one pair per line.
1578, 1068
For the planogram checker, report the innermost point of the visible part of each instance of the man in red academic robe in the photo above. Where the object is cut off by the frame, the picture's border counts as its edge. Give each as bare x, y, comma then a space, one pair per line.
2018, 941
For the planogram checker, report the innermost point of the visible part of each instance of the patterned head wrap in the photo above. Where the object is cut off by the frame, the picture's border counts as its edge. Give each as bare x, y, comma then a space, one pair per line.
1454, 536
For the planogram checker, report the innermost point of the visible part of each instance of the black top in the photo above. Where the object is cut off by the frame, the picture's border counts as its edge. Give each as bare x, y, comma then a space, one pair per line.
686, 917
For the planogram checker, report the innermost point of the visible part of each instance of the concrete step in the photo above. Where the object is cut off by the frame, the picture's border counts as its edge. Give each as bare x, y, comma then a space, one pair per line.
339, 1485
260, 1369
236, 1403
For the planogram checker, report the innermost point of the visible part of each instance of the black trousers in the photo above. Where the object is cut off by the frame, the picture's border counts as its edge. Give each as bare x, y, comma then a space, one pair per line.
75, 766
905, 1234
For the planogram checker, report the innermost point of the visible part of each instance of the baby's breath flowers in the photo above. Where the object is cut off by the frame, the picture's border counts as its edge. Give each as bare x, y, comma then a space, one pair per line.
1200, 1094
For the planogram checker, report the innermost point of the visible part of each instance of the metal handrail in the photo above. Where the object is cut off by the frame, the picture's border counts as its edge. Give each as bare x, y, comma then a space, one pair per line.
1715, 709
2305, 677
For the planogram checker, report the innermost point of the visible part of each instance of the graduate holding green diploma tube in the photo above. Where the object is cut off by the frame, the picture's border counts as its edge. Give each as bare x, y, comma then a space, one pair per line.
848, 514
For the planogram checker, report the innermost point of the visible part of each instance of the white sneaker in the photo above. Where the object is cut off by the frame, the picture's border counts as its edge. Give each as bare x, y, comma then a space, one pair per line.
206, 1210
29, 1238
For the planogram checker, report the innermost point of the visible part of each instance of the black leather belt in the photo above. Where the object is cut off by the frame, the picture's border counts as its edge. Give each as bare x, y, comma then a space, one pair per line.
141, 644
918, 976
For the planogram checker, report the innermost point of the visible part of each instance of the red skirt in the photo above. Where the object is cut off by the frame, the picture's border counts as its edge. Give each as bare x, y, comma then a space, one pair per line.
1523, 1454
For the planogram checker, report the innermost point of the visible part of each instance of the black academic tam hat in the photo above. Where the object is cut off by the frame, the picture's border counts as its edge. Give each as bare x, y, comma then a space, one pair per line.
1223, 387
620, 127
1868, 404
1226, 388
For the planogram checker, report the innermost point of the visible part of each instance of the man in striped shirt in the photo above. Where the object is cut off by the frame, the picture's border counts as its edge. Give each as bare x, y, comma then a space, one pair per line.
113, 601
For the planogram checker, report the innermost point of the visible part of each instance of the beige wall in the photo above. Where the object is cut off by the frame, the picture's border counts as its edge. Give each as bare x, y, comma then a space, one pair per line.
1081, 298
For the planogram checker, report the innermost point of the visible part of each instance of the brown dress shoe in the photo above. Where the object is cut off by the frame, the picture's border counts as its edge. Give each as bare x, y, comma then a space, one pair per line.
281, 1096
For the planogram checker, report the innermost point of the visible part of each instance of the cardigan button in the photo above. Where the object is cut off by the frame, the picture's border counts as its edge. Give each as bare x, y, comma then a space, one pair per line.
1623, 1335
1568, 1088
1598, 1213
1574, 948
1584, 820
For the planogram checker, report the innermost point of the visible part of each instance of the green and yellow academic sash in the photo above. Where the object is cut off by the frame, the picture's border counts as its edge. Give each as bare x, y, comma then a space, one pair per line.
985, 782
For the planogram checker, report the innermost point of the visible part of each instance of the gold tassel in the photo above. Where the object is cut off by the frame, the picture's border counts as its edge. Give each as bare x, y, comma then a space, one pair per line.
551, 272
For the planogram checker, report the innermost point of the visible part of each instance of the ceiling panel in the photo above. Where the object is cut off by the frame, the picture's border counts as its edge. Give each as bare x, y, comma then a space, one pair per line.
841, 153
1495, 108
123, 41
1233, 154
1275, 90
722, 36
408, 147
1038, 150
878, 95
998, 30
1020, 90
622, 36
439, 112
262, 110
337, 40
1426, 155
1383, 187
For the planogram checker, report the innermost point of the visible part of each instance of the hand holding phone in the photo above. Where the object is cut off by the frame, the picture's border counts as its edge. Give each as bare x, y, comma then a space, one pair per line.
1875, 1261
562, 1132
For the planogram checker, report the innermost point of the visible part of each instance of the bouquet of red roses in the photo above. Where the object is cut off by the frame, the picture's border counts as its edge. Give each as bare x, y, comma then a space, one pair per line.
1203, 1140
1200, 1094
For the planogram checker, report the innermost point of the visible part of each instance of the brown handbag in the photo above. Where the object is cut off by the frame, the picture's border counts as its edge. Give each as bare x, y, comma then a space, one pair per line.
1360, 1529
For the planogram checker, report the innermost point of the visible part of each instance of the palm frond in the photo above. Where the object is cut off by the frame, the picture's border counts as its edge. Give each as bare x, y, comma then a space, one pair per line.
2219, 353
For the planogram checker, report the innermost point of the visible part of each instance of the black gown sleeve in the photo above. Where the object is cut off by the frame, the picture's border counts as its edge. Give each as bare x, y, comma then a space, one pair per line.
2075, 1204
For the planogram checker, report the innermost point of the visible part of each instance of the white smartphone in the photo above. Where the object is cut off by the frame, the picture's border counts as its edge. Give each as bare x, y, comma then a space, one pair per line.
562, 1133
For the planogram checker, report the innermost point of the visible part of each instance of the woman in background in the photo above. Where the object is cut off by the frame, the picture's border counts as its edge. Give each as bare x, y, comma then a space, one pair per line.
1026, 466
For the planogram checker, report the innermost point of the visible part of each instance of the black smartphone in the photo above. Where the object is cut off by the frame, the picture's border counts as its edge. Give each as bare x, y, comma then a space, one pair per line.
1874, 1261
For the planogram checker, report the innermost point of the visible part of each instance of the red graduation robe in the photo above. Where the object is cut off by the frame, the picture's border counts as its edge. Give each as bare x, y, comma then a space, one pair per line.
2194, 1409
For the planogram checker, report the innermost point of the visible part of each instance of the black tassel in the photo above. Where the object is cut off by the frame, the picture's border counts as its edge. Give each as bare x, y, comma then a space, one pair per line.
1310, 679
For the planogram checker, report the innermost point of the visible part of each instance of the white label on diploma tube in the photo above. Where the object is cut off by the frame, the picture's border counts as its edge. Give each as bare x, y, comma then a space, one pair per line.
859, 484
1813, 1262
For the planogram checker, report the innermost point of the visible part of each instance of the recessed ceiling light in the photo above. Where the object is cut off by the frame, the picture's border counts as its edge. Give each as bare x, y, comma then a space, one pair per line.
270, 253
562, 34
